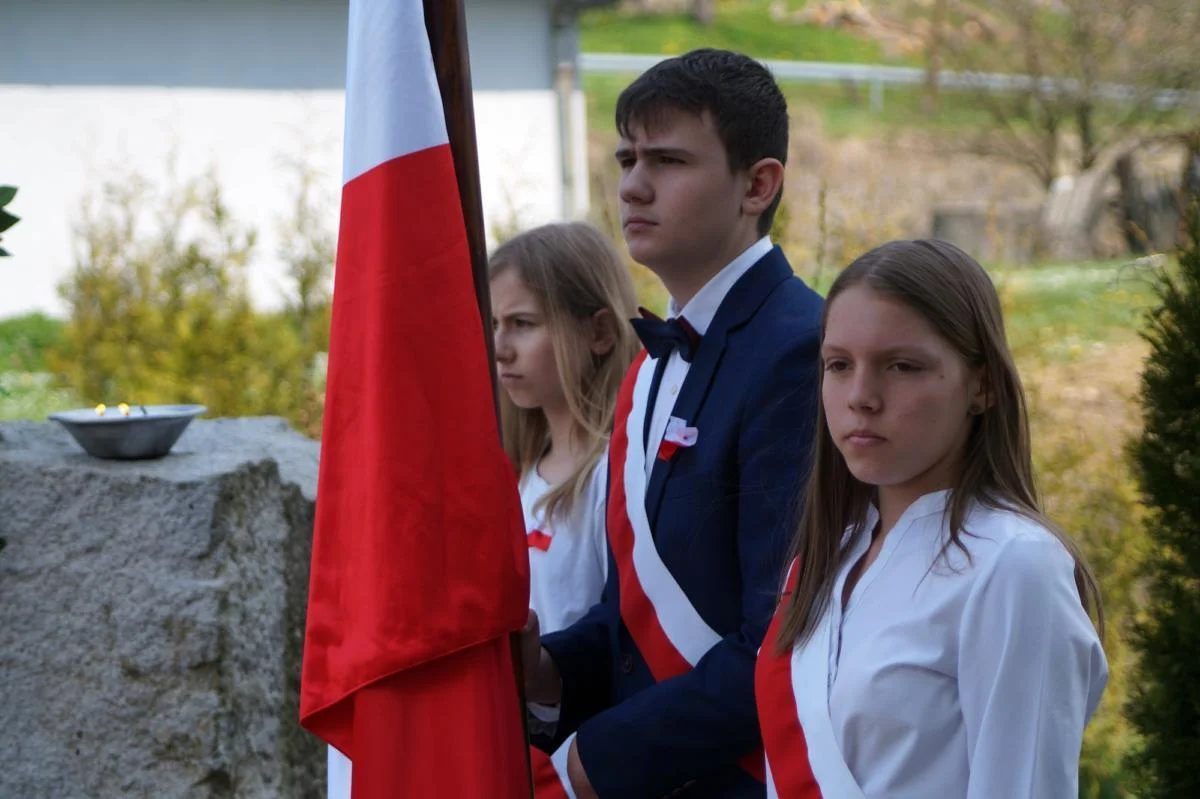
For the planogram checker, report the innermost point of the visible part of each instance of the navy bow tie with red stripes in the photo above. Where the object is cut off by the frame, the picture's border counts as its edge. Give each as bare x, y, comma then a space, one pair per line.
661, 336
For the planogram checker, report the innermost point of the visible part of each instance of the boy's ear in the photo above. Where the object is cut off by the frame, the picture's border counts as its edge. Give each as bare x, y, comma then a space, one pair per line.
766, 181
604, 332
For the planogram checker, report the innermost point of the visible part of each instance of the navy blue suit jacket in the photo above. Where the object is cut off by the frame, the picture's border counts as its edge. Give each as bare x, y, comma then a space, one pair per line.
722, 514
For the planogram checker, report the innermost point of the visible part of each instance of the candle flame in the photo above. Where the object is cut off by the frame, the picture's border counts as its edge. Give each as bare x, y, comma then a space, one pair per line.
124, 409
100, 409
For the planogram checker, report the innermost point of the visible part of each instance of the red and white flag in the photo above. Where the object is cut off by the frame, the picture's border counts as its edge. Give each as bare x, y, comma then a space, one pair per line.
419, 564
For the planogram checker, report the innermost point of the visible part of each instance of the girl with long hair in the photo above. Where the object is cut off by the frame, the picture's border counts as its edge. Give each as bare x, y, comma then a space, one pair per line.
934, 638
561, 300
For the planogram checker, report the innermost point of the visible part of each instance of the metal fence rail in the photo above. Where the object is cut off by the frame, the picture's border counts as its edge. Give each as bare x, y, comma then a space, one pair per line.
878, 76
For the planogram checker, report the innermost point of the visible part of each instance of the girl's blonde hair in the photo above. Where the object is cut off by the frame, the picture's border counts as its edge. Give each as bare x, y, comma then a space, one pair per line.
954, 294
573, 271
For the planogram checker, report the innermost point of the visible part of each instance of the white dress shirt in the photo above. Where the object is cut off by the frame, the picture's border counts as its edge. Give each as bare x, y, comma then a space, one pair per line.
699, 313
970, 676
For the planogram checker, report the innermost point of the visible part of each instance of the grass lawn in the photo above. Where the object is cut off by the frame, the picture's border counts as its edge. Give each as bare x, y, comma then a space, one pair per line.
746, 26
1065, 312
1085, 302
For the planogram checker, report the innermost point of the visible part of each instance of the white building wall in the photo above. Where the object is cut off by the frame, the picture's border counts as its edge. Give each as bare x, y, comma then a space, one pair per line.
94, 90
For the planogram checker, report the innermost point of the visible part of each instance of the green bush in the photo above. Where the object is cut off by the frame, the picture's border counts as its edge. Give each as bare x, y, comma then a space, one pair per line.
160, 311
24, 341
1083, 411
31, 395
1088, 488
7, 220
1166, 701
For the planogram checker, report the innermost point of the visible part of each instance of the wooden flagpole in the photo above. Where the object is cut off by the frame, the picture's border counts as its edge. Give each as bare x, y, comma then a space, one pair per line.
446, 25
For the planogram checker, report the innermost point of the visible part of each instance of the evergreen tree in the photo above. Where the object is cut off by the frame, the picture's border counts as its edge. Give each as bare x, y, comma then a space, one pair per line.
1166, 691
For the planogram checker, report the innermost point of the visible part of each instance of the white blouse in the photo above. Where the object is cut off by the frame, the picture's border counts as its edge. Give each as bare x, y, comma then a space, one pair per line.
963, 676
568, 562
567, 576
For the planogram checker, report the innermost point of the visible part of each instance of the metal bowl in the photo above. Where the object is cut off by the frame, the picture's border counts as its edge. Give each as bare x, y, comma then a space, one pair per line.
149, 431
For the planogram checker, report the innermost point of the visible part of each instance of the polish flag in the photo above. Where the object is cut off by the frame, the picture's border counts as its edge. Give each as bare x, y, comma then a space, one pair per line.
419, 564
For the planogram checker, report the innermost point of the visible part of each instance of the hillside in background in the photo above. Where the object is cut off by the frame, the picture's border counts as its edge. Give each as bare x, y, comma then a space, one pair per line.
844, 31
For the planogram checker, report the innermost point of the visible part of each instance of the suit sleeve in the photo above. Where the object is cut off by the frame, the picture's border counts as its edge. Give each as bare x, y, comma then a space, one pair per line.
687, 727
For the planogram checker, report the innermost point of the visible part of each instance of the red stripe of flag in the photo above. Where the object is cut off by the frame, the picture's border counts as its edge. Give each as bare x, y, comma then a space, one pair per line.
419, 564
546, 782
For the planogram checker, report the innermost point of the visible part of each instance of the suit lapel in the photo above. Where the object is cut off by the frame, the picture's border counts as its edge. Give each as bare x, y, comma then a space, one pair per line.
738, 307
687, 407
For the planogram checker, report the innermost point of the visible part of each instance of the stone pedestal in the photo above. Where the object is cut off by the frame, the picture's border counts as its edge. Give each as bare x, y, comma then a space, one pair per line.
152, 615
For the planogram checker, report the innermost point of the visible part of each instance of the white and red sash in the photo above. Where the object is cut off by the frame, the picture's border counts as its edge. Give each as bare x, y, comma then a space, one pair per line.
803, 758
668, 630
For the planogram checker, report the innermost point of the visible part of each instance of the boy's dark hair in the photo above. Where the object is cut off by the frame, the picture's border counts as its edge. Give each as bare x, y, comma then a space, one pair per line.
747, 107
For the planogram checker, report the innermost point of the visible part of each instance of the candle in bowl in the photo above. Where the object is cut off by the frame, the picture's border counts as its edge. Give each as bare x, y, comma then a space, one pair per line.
127, 436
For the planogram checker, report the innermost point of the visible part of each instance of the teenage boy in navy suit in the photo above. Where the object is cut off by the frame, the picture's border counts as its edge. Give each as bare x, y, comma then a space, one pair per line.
655, 685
